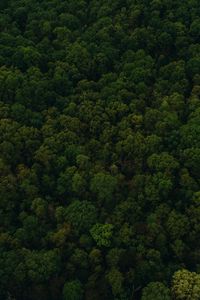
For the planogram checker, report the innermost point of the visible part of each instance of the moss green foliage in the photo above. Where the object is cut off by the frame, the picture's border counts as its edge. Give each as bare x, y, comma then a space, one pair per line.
72, 290
156, 291
102, 234
99, 149
81, 215
186, 285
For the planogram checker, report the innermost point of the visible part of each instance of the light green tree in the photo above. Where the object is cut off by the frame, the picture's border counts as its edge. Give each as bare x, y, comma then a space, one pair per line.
186, 285
102, 234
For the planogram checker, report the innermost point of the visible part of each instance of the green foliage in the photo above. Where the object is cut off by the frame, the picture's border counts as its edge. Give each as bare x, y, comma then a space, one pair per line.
115, 279
99, 149
186, 285
72, 290
156, 291
103, 185
81, 214
102, 234
42, 266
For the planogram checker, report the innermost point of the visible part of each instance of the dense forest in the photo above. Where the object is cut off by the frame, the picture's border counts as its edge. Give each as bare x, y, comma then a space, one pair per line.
99, 149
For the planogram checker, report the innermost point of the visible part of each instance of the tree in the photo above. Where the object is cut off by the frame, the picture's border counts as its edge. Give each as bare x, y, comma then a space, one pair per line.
41, 265
104, 186
78, 184
102, 234
186, 285
115, 279
162, 162
81, 214
177, 225
73, 290
156, 291
26, 57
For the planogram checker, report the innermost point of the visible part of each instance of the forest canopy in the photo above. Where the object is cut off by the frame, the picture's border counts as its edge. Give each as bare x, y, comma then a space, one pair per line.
99, 149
